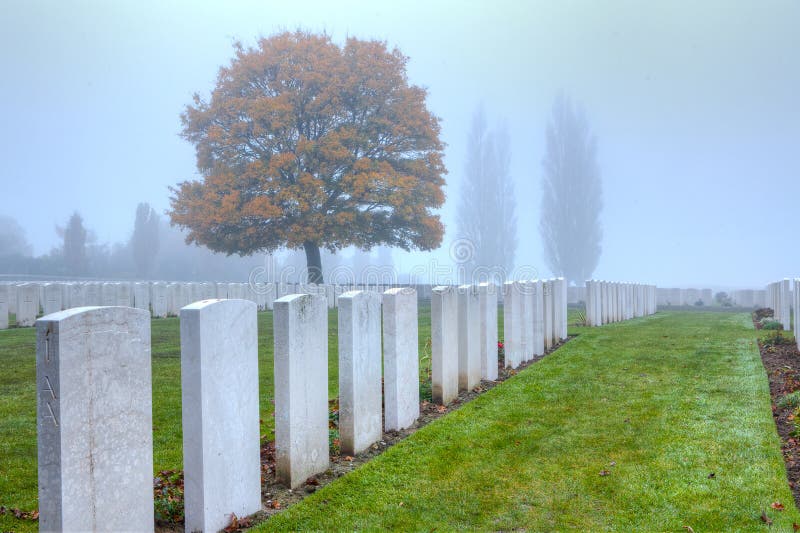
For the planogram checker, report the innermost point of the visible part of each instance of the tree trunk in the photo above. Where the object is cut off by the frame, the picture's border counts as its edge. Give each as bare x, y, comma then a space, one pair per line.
313, 262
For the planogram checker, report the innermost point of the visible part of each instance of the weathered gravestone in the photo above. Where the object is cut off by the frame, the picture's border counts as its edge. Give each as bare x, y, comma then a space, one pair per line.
301, 387
400, 358
359, 370
94, 420
219, 384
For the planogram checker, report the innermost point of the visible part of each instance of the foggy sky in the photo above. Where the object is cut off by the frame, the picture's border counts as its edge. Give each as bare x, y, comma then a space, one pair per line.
695, 106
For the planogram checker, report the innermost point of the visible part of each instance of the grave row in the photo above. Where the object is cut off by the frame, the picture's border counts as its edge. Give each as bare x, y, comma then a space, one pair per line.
612, 301
94, 411
666, 296
779, 299
464, 337
29, 300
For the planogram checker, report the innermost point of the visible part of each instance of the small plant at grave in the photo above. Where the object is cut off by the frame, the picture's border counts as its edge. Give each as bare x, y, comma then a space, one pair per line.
763, 312
791, 400
501, 351
426, 382
334, 441
168, 496
772, 325
776, 338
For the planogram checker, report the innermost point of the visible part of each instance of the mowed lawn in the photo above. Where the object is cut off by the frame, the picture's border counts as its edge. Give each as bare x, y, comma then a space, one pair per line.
658, 403
655, 424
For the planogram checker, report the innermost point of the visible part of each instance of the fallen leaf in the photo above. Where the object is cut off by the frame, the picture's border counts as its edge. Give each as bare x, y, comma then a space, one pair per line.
778, 506
604, 472
764, 518
689, 529
275, 504
795, 526
712, 475
613, 463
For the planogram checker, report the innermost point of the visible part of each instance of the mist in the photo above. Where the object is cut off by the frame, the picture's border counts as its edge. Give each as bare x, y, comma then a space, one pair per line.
694, 109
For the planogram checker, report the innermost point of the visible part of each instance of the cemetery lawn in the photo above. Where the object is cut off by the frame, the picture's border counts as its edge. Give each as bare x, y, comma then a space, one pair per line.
655, 424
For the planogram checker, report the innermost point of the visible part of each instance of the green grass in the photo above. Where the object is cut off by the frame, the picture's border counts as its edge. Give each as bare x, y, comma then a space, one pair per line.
667, 400
528, 453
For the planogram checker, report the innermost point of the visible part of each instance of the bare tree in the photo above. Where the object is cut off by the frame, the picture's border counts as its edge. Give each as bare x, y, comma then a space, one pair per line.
487, 220
572, 197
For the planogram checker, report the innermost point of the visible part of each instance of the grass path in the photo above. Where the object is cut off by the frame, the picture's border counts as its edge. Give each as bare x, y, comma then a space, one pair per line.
659, 403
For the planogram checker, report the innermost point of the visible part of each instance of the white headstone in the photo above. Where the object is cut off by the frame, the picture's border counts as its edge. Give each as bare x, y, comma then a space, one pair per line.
4, 306
487, 295
301, 387
94, 420
359, 370
512, 324
469, 337
219, 384
444, 344
52, 298
141, 296
27, 304
538, 318
400, 358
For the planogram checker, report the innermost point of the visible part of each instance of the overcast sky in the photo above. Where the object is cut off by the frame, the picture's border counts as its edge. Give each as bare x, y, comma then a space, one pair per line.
695, 106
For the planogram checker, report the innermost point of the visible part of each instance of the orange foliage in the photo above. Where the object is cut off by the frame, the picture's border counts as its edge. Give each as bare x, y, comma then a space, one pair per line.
303, 141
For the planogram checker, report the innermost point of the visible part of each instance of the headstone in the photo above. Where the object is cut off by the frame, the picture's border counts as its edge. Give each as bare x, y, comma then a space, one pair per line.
400, 358
124, 295
141, 296
538, 318
469, 337
159, 300
547, 295
359, 370
487, 298
109, 295
512, 324
52, 298
94, 420
221, 442
4, 306
27, 304
301, 387
526, 338
444, 344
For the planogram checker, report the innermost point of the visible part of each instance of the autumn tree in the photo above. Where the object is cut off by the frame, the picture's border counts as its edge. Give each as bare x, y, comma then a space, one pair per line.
144, 241
305, 144
572, 197
487, 213
74, 250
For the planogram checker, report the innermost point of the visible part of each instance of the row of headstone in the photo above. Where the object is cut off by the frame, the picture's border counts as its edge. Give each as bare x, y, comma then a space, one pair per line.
749, 298
613, 301
32, 299
796, 307
94, 394
680, 297
464, 337
779, 299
